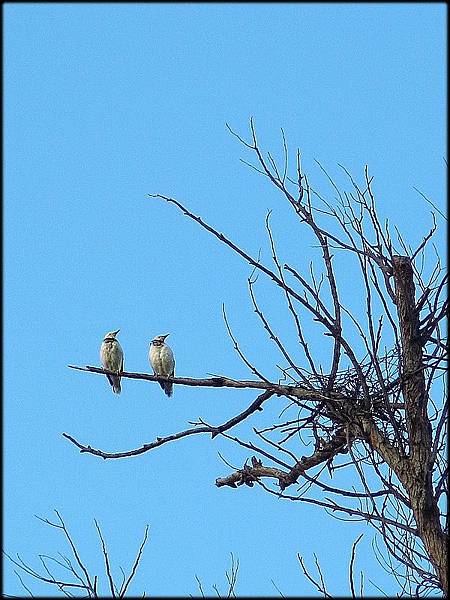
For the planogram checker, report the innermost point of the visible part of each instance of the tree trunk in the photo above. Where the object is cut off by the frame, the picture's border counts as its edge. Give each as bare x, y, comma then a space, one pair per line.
418, 481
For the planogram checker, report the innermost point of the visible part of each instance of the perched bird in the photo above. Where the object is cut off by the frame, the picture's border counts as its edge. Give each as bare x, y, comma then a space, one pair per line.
162, 361
111, 355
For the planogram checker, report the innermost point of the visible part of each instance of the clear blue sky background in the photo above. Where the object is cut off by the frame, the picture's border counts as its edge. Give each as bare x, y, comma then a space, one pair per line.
107, 103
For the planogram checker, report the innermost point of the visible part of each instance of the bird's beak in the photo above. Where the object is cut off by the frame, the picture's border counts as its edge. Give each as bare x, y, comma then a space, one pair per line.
164, 336
116, 332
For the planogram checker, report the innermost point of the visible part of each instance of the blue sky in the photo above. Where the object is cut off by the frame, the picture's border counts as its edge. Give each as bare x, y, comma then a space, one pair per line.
105, 103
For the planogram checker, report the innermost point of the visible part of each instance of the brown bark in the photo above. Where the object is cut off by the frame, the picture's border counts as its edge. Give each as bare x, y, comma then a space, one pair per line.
417, 478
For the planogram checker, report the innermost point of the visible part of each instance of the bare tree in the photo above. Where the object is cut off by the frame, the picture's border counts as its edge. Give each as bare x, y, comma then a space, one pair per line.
378, 415
78, 582
231, 577
75, 579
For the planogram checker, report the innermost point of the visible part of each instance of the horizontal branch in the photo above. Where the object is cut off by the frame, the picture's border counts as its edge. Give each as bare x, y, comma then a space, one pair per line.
285, 390
253, 474
247, 475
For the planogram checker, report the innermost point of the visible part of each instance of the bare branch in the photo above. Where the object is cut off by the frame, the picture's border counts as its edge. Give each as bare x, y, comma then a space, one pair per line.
352, 560
256, 405
124, 587
107, 566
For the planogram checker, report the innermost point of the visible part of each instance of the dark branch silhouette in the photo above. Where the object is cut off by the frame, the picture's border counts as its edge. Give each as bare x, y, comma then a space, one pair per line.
378, 408
77, 576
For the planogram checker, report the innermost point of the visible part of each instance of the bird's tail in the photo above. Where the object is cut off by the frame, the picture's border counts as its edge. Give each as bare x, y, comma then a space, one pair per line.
115, 383
167, 387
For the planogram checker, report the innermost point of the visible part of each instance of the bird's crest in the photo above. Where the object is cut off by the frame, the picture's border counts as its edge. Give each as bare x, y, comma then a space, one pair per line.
159, 339
111, 335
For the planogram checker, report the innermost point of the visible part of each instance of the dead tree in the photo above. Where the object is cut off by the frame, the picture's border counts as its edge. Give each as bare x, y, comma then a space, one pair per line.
380, 412
74, 579
71, 576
